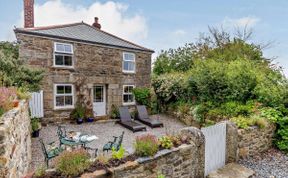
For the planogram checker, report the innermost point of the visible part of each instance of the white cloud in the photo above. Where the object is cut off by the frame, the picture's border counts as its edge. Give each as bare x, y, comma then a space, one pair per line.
112, 17
179, 32
240, 22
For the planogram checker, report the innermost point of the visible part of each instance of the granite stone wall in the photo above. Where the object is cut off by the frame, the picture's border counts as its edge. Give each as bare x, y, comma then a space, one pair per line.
92, 65
184, 161
254, 140
15, 142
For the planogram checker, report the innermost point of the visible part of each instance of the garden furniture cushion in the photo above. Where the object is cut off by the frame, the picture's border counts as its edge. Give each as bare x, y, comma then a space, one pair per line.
142, 116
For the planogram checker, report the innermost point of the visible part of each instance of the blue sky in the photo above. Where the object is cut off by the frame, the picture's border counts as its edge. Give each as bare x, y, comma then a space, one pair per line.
162, 24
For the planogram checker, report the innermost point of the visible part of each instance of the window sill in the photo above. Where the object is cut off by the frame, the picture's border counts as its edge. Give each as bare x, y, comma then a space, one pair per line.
129, 104
63, 108
128, 72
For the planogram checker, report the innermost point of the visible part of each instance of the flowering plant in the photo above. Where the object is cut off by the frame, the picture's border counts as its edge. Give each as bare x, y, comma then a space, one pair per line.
7, 96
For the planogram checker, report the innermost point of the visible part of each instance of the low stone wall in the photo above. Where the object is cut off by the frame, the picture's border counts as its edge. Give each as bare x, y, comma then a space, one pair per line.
15, 142
184, 161
254, 140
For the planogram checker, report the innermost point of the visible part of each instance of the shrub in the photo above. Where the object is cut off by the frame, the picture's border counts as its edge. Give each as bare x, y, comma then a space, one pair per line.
146, 145
118, 154
7, 96
78, 112
165, 142
23, 93
142, 96
35, 124
271, 114
245, 122
72, 163
103, 159
114, 114
234, 108
40, 172
282, 134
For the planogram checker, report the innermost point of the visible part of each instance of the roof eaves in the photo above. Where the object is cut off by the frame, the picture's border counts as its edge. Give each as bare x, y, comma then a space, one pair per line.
23, 31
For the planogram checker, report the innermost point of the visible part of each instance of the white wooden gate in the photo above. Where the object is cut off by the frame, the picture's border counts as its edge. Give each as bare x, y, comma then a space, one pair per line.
215, 147
36, 104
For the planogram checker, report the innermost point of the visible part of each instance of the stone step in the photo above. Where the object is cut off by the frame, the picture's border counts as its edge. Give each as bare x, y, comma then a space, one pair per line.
232, 170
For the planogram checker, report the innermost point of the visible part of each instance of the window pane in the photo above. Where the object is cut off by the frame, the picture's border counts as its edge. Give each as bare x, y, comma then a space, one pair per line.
59, 47
68, 100
60, 89
68, 89
131, 66
59, 100
125, 98
68, 48
126, 65
126, 89
129, 57
68, 60
58, 60
131, 98
98, 94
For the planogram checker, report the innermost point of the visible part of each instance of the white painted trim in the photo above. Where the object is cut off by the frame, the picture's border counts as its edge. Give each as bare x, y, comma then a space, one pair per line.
63, 52
55, 95
129, 71
130, 103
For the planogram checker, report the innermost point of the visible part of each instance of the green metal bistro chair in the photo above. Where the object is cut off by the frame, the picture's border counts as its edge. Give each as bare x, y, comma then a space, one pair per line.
49, 154
116, 143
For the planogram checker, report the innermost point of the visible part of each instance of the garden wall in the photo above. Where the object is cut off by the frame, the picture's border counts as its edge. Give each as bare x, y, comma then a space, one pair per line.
15, 142
184, 161
254, 140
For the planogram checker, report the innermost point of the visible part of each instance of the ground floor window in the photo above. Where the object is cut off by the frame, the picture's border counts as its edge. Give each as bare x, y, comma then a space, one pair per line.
128, 97
63, 96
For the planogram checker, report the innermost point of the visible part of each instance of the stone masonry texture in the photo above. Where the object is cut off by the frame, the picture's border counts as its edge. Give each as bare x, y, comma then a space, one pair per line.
92, 65
15, 139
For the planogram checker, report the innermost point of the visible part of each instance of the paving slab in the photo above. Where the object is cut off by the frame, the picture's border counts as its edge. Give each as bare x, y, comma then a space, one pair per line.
232, 170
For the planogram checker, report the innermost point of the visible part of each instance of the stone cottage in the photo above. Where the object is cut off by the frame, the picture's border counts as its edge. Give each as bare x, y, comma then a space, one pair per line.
82, 63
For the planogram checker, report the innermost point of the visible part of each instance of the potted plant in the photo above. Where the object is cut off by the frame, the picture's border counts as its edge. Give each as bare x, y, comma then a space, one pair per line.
36, 126
78, 114
89, 115
114, 114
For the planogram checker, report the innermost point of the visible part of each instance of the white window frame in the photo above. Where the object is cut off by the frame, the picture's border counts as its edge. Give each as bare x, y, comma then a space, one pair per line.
129, 103
129, 71
63, 53
55, 95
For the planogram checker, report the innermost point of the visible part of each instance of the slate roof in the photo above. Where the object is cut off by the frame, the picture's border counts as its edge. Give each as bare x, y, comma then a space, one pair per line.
82, 32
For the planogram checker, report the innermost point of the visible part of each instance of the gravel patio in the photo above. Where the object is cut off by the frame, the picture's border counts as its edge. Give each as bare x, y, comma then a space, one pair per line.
104, 131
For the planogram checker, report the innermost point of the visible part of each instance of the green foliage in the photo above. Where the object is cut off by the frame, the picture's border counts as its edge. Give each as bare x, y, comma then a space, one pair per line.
246, 122
72, 163
114, 114
282, 134
78, 112
142, 96
271, 114
170, 87
13, 72
118, 154
40, 172
159, 175
165, 142
35, 124
146, 145
1, 111
174, 60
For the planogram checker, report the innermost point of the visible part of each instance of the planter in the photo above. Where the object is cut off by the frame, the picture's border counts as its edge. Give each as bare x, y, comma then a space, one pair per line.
35, 134
79, 120
90, 119
15, 103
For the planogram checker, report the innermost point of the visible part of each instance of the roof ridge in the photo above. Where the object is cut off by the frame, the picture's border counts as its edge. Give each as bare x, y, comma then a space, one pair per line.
52, 26
117, 37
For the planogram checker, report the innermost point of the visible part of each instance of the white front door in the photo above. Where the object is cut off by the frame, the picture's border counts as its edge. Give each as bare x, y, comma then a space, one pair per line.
99, 100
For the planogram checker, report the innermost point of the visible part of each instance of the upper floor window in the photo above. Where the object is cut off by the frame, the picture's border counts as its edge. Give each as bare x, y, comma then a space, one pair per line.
128, 62
63, 54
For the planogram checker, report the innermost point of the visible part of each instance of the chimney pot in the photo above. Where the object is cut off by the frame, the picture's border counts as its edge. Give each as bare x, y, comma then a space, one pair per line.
96, 24
28, 13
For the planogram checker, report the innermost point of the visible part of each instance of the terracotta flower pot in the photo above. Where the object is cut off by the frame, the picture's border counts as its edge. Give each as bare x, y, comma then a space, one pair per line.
15, 103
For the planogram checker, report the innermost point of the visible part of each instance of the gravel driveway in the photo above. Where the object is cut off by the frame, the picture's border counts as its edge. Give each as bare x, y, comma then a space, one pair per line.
104, 131
271, 164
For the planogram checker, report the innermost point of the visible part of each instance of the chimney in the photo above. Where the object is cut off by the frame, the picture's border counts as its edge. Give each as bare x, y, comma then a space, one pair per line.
96, 24
28, 13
